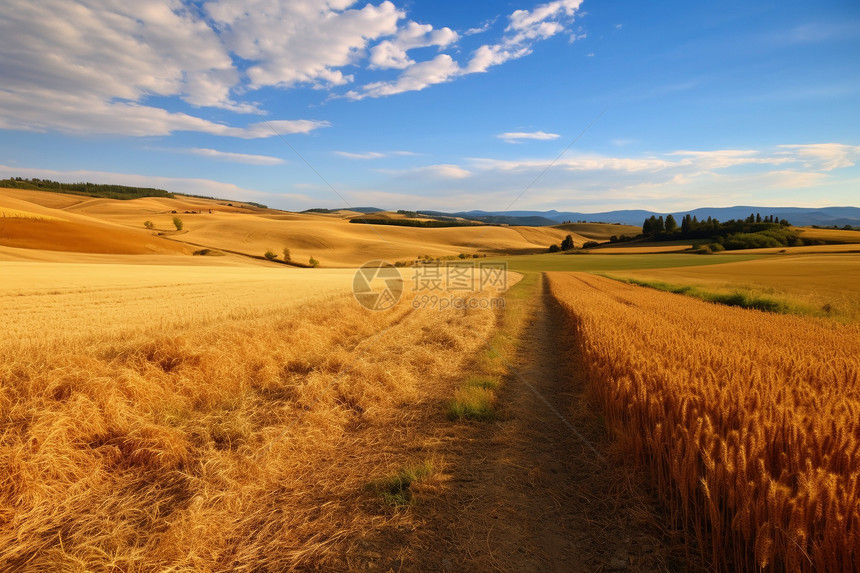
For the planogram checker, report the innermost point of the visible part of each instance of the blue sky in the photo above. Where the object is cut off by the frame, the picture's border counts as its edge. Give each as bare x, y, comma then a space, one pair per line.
581, 105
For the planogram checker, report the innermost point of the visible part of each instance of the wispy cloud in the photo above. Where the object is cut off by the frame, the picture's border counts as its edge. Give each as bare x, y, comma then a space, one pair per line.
439, 171
235, 157
375, 154
678, 179
826, 156
365, 155
519, 136
480, 29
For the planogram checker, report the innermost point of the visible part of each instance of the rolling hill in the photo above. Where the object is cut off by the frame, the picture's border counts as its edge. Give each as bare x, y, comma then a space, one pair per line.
39, 223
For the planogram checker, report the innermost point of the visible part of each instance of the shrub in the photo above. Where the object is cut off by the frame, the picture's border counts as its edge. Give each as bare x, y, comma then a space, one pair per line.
590, 244
270, 255
554, 248
149, 224
313, 262
287, 256
177, 222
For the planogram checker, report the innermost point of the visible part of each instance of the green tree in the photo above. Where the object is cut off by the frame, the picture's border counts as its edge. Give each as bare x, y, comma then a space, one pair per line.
554, 248
686, 224
313, 262
177, 222
287, 256
567, 243
646, 226
671, 225
148, 224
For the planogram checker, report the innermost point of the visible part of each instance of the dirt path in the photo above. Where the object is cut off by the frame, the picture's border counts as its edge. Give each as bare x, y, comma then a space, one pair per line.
539, 490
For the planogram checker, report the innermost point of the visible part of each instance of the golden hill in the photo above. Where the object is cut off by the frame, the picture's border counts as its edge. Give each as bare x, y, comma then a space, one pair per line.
86, 225
599, 231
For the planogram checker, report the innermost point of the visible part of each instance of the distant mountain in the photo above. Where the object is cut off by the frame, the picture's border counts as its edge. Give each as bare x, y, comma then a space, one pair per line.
800, 216
521, 220
356, 209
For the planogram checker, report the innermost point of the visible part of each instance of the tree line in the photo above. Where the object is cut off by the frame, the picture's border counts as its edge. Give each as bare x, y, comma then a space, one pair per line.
122, 192
692, 228
713, 235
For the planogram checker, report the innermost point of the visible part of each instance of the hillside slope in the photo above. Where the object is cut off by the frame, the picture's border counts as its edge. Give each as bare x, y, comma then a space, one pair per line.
44, 221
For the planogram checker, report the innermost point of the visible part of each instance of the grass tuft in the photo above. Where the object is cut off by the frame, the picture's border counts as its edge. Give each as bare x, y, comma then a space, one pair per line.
472, 403
485, 382
396, 490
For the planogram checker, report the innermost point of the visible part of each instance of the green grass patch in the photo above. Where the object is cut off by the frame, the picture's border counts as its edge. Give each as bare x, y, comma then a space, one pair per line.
741, 299
396, 490
593, 262
473, 403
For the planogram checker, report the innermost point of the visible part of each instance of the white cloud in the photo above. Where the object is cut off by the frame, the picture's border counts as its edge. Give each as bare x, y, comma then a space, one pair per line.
235, 157
785, 174
440, 69
112, 49
366, 155
440, 171
525, 20
300, 40
575, 163
724, 158
45, 110
480, 29
828, 156
102, 66
517, 136
90, 67
265, 129
524, 30
375, 154
814, 157
392, 53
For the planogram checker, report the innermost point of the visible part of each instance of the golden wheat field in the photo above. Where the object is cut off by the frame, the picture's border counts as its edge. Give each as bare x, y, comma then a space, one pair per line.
42, 302
197, 419
749, 422
826, 284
